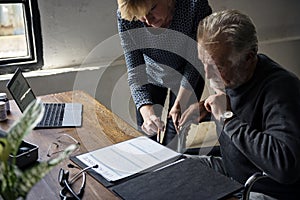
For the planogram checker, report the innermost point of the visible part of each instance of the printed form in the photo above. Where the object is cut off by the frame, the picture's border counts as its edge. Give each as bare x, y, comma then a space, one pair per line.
127, 158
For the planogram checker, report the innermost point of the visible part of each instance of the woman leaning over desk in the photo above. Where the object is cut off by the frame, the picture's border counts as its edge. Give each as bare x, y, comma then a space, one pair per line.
159, 42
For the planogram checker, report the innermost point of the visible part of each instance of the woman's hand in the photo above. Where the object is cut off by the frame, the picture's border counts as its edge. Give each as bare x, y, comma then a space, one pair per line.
175, 114
195, 112
152, 125
180, 105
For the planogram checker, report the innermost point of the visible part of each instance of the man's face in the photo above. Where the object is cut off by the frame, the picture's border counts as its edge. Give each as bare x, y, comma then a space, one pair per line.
220, 65
158, 13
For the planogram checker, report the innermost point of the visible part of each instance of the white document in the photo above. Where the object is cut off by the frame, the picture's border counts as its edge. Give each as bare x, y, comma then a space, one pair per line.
127, 158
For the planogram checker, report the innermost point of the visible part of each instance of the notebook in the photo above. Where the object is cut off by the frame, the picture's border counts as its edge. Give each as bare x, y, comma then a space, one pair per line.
56, 114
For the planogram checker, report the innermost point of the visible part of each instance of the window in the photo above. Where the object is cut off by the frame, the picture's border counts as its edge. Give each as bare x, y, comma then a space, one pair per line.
20, 35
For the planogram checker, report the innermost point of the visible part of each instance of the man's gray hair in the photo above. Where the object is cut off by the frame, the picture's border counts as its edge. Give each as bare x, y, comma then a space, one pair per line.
229, 26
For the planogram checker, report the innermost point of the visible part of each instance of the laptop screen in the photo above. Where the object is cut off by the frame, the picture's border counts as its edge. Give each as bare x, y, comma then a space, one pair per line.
20, 90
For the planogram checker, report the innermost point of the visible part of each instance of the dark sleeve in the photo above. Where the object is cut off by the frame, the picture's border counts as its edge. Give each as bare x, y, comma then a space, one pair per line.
194, 72
275, 149
137, 77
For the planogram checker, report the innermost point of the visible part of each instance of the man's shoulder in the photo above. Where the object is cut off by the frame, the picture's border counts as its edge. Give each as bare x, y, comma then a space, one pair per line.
273, 68
275, 77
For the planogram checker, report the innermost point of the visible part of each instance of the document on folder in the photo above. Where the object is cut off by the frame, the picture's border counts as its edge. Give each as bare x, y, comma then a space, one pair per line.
127, 158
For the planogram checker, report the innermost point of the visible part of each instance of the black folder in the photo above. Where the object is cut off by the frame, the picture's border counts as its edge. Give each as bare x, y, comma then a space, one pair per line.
186, 180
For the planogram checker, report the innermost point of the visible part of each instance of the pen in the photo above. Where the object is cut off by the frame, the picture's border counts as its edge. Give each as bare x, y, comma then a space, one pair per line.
158, 135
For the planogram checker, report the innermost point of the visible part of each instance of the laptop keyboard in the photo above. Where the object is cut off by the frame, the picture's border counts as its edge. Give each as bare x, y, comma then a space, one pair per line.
53, 116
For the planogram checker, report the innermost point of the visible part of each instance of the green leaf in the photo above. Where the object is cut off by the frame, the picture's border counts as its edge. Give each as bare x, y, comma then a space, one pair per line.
4, 149
15, 183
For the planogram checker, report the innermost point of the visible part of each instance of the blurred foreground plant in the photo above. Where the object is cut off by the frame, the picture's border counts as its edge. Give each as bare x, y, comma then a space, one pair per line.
14, 182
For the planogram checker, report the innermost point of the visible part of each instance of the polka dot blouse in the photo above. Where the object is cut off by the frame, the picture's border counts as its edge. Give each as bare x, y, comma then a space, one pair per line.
163, 57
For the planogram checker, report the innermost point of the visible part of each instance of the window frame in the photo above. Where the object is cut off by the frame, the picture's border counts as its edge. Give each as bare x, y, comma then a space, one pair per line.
34, 37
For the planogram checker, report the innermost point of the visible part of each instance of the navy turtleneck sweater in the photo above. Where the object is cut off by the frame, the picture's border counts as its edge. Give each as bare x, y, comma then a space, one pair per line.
265, 134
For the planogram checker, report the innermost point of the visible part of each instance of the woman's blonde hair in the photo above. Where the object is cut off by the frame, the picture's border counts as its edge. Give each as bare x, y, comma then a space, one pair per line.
133, 9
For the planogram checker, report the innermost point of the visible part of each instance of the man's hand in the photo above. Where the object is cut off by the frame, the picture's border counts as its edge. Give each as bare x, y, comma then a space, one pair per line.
217, 104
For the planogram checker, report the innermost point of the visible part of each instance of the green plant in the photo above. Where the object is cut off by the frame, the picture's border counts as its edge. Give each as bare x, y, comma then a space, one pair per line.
14, 182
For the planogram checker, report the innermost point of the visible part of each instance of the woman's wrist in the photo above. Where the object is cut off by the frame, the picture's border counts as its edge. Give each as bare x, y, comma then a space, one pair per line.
182, 99
147, 111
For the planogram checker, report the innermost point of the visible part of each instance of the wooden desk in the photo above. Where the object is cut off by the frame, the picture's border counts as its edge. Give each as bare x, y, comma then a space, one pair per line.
100, 128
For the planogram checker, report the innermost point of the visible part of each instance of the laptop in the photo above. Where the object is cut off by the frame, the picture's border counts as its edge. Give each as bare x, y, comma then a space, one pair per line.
56, 115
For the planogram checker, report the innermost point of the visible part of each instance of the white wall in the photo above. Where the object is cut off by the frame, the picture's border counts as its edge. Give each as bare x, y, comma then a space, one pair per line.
72, 29
77, 32
277, 24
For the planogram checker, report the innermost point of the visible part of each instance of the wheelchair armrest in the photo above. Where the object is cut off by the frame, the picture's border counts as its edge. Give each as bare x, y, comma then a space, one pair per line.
250, 182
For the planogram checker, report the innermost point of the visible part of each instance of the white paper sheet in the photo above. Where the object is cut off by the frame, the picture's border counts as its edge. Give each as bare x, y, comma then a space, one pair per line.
127, 158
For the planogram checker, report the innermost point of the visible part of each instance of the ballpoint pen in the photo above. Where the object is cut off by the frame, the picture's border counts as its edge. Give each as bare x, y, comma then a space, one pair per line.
158, 135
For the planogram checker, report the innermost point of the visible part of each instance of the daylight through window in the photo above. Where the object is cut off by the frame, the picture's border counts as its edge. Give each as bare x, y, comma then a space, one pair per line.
13, 41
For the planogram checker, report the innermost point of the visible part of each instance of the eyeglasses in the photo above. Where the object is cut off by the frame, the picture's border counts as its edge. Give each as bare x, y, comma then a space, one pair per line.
67, 192
61, 143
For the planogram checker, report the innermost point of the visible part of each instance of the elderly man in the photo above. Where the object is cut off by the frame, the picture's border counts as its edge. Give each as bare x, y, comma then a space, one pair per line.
256, 107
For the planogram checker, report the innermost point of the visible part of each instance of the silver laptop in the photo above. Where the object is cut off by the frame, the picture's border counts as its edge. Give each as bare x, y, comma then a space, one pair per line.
56, 114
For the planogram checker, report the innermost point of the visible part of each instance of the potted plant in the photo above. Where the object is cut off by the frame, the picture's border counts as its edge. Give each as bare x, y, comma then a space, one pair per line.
15, 183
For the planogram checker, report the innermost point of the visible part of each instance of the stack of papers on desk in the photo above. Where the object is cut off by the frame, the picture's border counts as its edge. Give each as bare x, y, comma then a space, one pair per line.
125, 159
